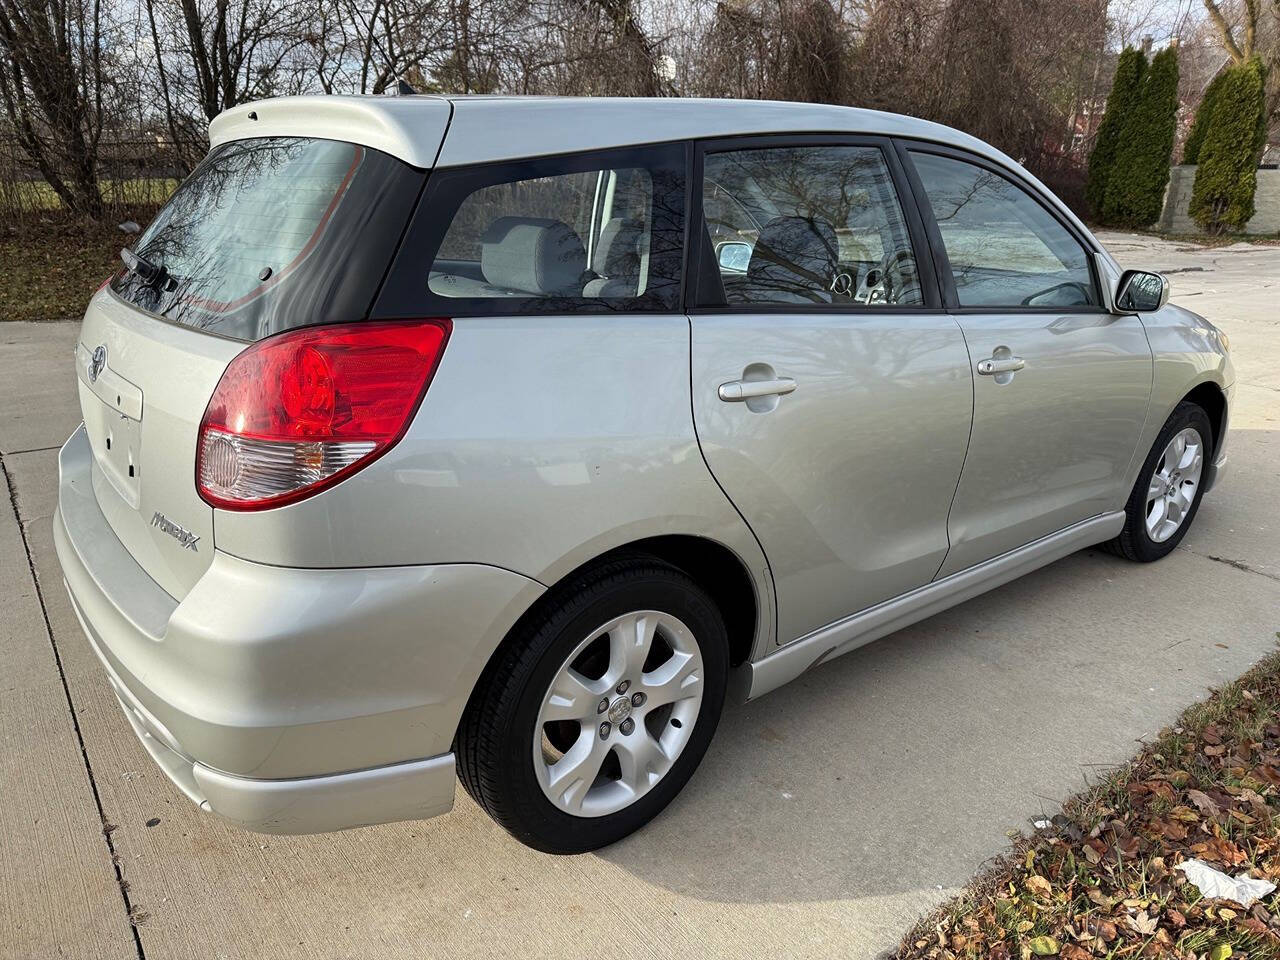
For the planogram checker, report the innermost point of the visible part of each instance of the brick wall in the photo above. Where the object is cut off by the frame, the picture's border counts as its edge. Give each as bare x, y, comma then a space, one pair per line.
1174, 219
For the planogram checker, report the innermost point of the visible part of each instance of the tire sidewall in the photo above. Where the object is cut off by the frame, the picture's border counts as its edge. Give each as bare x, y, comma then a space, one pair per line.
550, 828
1184, 416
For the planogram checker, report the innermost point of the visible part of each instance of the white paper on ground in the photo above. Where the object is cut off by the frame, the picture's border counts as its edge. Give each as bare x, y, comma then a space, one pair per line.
1214, 883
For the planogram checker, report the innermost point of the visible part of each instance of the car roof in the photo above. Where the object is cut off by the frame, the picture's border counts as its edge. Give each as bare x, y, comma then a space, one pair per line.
429, 131
482, 129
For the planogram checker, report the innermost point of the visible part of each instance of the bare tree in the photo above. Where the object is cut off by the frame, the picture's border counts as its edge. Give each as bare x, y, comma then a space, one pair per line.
51, 83
1247, 29
213, 55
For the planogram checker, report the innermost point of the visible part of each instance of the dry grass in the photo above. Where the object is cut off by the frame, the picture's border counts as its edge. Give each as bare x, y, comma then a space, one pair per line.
53, 265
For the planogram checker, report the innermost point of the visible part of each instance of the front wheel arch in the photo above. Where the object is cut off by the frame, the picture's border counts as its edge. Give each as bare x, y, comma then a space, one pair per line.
1209, 397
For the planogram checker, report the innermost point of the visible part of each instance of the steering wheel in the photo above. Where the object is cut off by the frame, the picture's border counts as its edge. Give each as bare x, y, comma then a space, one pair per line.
887, 282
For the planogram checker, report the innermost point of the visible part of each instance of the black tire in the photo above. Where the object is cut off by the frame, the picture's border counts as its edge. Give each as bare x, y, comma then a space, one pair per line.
494, 742
1134, 543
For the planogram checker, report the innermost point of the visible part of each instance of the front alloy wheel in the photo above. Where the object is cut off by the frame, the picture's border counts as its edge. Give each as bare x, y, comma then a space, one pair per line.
1174, 484
1166, 496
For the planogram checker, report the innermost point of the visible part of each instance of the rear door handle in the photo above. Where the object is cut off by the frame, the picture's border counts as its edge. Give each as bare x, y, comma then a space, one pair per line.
989, 368
738, 390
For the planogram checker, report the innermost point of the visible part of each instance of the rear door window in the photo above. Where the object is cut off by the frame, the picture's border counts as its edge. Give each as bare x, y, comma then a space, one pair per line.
576, 233
273, 233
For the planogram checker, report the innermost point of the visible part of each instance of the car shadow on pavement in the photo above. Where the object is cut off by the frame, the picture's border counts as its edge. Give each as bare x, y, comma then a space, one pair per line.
903, 765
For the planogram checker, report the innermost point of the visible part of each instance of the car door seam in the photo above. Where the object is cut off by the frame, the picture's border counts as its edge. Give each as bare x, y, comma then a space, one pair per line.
693, 420
973, 415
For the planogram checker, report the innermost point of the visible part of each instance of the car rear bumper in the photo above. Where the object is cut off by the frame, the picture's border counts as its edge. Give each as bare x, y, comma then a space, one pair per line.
287, 700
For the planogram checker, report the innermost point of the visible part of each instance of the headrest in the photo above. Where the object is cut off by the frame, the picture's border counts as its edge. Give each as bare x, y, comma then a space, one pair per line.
794, 258
537, 256
617, 255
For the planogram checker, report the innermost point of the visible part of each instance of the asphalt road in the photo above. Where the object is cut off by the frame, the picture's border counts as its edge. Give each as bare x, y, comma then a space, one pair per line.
826, 817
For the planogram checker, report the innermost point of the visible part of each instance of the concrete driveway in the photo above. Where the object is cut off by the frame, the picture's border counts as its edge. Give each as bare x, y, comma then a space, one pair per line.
825, 819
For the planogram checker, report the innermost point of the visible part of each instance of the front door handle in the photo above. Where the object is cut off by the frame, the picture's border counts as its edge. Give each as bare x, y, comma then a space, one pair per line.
996, 365
738, 390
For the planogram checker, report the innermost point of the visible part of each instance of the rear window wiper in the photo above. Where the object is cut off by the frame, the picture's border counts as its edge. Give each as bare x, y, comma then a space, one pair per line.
153, 274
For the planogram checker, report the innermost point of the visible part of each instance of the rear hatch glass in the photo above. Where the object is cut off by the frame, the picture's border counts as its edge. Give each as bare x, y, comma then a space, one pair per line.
273, 233
266, 235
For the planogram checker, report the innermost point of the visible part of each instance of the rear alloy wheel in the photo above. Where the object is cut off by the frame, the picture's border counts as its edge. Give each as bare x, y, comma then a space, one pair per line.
1167, 494
594, 715
618, 714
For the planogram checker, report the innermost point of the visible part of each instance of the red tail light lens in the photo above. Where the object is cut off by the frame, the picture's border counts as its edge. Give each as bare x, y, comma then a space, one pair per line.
297, 412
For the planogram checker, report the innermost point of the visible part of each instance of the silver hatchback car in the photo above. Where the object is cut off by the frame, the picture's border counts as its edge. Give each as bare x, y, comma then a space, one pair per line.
512, 435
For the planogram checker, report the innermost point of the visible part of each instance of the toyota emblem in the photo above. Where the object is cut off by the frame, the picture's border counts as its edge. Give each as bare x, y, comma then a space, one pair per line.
98, 363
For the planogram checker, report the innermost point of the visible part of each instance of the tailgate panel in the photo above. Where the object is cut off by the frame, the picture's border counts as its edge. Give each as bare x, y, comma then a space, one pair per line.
142, 398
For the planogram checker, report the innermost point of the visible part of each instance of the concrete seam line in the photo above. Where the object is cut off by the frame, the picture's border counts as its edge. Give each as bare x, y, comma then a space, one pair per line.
1239, 565
14, 453
121, 885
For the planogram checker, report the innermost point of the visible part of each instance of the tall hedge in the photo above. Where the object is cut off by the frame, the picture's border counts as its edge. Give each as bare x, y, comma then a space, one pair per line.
1135, 188
1203, 120
1227, 175
1121, 101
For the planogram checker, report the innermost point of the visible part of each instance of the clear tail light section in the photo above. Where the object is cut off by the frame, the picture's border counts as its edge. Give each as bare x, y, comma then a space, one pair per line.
295, 413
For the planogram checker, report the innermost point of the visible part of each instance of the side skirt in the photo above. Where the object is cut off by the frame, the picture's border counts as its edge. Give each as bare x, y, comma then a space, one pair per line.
799, 656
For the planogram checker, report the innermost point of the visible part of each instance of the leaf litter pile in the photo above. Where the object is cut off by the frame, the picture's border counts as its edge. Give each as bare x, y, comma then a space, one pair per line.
1101, 879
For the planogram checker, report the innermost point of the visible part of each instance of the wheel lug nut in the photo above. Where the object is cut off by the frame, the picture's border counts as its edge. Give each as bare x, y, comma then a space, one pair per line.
623, 686
604, 730
637, 699
626, 726
603, 705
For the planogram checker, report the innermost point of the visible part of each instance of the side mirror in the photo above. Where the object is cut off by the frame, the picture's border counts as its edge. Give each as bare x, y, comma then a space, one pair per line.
733, 255
1141, 291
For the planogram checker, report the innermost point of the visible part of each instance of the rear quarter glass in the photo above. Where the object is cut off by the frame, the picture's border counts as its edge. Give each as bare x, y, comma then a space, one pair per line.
275, 233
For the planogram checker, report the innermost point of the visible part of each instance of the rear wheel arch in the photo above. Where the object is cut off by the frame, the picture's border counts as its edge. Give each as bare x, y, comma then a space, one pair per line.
710, 564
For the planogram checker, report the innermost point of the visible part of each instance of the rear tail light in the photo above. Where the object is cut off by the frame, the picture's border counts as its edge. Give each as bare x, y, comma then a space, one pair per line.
297, 412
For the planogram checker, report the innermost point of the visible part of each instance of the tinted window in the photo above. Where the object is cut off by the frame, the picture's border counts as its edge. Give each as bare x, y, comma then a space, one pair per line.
273, 233
559, 234
1006, 250
808, 225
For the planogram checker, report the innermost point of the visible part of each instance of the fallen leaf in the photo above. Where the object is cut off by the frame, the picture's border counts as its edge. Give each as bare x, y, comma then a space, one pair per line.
1046, 946
1204, 803
1220, 952
1039, 886
1184, 814
1143, 924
